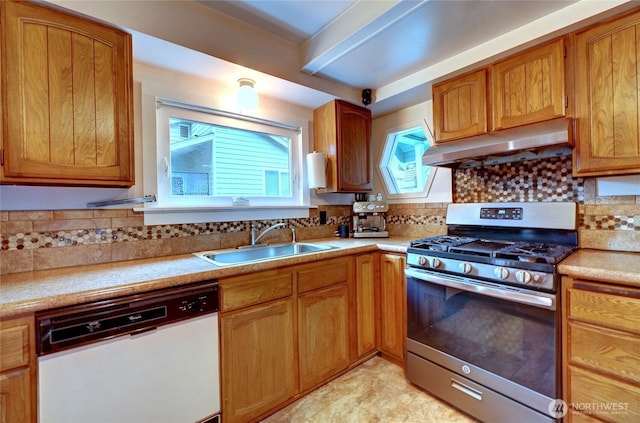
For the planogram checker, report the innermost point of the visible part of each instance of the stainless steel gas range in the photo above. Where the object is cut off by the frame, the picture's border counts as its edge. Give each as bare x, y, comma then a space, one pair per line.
483, 315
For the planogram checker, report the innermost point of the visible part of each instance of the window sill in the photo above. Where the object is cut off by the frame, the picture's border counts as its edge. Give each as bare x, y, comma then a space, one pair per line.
174, 215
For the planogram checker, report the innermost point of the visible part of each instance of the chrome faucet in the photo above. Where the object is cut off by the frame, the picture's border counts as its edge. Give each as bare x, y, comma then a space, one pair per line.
254, 239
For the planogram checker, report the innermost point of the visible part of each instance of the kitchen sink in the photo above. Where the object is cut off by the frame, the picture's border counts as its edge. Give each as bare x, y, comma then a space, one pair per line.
261, 252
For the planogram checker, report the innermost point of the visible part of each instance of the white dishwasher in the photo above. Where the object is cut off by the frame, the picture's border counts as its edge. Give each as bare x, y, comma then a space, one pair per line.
144, 358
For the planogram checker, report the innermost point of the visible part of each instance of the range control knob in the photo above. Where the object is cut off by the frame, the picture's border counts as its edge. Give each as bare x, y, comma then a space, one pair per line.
523, 276
501, 273
423, 261
435, 263
465, 267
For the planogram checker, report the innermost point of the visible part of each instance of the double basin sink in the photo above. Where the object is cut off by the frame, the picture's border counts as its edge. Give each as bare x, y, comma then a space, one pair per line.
251, 254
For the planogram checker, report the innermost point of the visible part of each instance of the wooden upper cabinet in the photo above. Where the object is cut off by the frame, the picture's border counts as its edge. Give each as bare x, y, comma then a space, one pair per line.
460, 107
529, 87
607, 93
67, 107
343, 131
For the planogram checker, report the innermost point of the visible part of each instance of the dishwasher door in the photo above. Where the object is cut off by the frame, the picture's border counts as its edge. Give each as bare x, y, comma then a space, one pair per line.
168, 374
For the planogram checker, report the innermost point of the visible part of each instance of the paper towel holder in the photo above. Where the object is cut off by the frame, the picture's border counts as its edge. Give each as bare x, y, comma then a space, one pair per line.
317, 170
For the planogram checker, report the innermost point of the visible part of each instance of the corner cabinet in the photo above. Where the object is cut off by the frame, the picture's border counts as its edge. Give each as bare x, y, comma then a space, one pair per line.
529, 87
367, 271
393, 307
601, 351
607, 92
67, 99
460, 107
17, 371
343, 131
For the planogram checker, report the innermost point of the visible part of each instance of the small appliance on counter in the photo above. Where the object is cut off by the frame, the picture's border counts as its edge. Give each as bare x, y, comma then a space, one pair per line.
369, 219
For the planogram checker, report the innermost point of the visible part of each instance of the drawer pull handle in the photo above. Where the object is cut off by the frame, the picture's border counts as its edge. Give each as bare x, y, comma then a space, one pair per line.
473, 393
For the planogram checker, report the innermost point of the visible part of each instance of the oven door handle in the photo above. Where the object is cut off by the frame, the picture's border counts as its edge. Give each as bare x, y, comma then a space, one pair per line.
482, 288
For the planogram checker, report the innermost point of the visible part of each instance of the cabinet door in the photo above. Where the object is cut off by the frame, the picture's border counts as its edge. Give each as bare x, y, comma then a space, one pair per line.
366, 303
15, 397
68, 91
323, 334
607, 92
393, 307
528, 87
343, 131
460, 107
258, 360
354, 148
601, 349
17, 361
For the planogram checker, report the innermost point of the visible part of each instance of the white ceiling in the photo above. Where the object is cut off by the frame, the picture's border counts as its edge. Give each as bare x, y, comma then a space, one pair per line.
310, 51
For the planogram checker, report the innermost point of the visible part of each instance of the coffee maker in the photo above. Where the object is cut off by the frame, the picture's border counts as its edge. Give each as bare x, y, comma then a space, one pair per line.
369, 219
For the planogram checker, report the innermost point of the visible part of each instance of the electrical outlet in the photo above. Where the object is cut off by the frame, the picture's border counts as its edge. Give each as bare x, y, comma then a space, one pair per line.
323, 217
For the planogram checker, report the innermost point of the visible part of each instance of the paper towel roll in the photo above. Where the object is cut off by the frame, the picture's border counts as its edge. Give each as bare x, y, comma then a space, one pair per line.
317, 170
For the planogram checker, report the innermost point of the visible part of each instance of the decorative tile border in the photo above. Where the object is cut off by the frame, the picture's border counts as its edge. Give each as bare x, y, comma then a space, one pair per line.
71, 238
611, 223
415, 220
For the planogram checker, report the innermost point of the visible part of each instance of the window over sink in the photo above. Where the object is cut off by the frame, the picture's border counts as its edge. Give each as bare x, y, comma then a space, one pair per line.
215, 165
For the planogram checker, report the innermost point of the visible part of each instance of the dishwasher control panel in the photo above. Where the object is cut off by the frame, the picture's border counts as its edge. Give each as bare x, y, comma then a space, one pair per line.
72, 326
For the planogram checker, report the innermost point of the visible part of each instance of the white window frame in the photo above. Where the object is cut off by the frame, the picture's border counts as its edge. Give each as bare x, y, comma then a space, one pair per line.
192, 210
386, 150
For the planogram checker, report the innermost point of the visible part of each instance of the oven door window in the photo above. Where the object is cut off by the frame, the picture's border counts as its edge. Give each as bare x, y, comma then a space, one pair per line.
512, 340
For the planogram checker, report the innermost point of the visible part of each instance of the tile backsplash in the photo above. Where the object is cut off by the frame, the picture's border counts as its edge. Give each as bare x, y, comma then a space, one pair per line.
37, 240
529, 181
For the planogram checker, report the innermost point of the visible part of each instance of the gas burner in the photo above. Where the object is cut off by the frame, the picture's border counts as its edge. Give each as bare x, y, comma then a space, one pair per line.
441, 243
535, 253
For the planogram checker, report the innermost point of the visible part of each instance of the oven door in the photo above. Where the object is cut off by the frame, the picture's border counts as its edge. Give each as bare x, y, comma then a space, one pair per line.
501, 338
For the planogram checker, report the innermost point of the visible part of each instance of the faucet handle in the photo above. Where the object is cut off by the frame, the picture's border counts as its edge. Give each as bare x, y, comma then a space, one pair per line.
293, 234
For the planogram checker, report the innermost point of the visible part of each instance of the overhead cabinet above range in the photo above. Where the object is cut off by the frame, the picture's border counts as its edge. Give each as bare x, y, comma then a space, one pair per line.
67, 105
526, 88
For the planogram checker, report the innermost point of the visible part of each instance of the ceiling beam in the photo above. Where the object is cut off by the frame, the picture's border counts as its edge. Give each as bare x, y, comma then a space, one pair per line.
358, 24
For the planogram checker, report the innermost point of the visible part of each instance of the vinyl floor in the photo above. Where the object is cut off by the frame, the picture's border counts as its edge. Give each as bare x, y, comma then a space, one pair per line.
376, 391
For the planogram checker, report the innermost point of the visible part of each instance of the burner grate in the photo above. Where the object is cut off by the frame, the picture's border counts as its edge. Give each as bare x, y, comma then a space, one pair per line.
441, 243
535, 253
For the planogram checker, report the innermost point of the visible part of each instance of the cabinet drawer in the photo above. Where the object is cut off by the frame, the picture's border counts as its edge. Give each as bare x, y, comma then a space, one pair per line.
605, 309
608, 399
243, 291
605, 351
14, 347
324, 273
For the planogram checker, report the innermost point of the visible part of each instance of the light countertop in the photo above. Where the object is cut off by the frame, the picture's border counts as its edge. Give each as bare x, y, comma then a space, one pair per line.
605, 266
29, 292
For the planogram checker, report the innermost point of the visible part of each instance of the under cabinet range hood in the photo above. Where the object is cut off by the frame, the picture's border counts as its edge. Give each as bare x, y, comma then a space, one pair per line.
540, 140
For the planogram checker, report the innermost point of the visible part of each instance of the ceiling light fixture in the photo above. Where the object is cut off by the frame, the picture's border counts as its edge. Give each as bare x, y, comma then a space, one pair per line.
247, 94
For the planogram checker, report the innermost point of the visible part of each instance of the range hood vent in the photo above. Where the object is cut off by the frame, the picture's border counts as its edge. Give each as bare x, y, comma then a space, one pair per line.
540, 140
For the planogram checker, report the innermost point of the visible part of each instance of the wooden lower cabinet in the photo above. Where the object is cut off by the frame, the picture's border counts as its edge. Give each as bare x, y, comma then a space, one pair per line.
393, 306
366, 277
17, 369
283, 331
323, 334
258, 360
601, 351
